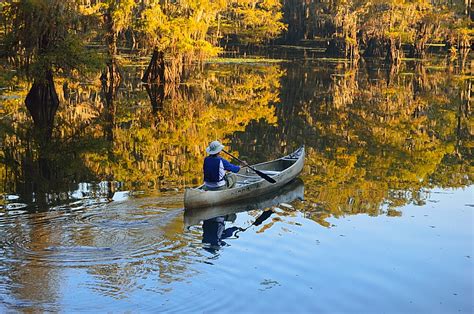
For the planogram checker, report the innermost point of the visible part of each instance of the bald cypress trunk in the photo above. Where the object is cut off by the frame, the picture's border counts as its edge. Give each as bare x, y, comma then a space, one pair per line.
154, 76
112, 73
156, 92
42, 103
394, 51
336, 47
155, 72
110, 79
376, 47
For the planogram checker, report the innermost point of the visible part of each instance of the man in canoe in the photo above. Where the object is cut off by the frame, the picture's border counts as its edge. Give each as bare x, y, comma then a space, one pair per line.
215, 177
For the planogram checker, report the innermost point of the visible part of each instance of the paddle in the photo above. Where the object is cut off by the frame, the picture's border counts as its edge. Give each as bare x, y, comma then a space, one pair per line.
264, 216
261, 174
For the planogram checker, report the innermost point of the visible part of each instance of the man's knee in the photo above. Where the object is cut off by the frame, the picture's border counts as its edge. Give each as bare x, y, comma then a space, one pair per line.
231, 180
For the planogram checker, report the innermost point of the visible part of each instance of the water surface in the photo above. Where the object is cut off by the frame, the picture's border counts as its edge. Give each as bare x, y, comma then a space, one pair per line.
381, 221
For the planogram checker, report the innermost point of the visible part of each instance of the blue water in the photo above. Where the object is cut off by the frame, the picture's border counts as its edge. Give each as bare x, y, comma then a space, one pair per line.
137, 255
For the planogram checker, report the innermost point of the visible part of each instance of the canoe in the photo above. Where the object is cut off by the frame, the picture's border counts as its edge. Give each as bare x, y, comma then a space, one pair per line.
287, 194
249, 185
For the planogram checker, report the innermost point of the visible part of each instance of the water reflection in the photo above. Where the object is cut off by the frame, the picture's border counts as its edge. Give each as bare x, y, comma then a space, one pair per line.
375, 137
372, 133
378, 140
287, 194
105, 134
214, 230
114, 243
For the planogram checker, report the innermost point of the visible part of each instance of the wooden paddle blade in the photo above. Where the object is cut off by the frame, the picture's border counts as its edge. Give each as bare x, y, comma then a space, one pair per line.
264, 176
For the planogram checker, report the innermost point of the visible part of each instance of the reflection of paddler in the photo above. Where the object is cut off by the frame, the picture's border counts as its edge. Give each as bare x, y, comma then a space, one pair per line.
215, 177
264, 216
214, 231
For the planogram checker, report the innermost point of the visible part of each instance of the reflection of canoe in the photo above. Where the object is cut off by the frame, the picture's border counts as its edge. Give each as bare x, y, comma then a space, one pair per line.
249, 184
290, 192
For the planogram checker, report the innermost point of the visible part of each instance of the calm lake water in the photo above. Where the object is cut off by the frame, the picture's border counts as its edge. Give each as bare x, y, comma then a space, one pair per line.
381, 219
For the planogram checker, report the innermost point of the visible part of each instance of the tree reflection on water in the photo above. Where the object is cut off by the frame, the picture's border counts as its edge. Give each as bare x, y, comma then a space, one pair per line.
375, 136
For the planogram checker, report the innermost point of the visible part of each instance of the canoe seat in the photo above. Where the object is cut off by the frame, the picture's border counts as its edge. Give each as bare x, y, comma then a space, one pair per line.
245, 182
244, 177
256, 177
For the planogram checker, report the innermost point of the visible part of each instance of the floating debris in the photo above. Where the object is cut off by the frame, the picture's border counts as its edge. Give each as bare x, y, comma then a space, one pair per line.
11, 197
286, 205
15, 206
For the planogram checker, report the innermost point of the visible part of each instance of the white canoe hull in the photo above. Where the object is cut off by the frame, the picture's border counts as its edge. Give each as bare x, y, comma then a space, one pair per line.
249, 185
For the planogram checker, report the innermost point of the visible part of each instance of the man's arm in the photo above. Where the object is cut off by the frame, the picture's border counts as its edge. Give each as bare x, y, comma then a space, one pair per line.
230, 167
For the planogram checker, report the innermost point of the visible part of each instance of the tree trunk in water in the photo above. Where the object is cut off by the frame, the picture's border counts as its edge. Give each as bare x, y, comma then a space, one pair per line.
110, 83
111, 75
155, 73
111, 34
336, 47
42, 103
376, 48
156, 92
174, 72
418, 48
339, 47
294, 15
391, 71
394, 51
420, 79
45, 165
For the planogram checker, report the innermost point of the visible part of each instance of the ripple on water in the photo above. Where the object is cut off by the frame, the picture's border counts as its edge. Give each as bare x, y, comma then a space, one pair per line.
81, 236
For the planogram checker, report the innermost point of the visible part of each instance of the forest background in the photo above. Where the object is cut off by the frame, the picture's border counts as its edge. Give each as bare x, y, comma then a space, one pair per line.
49, 48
